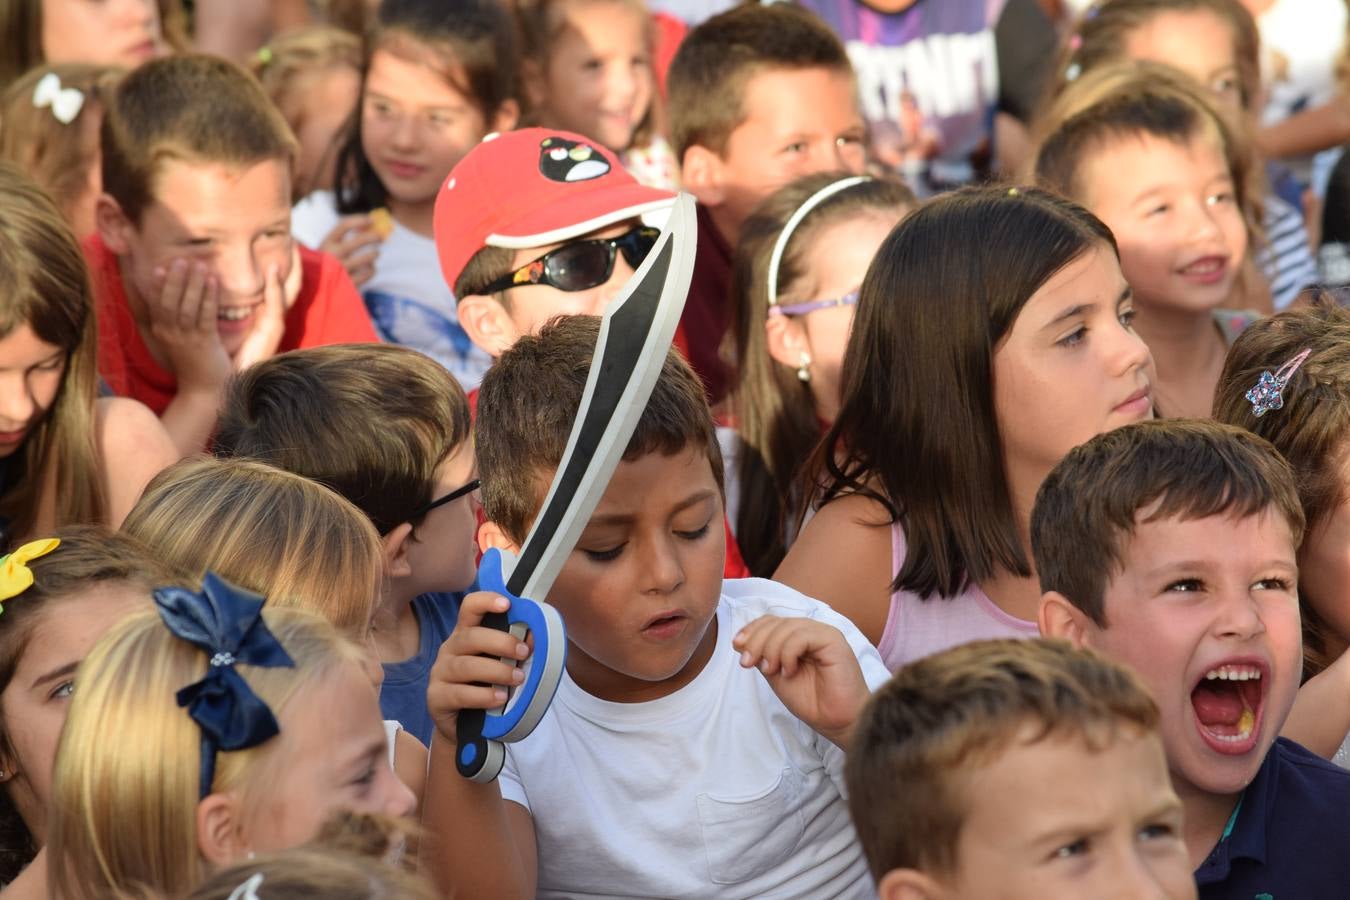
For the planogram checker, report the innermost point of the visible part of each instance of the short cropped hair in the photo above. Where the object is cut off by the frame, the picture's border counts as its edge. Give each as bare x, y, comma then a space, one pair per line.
707, 79
530, 398
948, 713
370, 421
1090, 504
193, 108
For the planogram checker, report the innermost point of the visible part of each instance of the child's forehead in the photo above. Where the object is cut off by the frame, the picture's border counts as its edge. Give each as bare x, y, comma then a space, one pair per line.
1159, 540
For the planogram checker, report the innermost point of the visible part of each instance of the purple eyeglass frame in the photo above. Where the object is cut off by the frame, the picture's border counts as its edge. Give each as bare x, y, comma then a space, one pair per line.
801, 309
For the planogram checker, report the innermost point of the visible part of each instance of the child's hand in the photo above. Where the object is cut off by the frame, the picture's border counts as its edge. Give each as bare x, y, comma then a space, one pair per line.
811, 668
469, 673
355, 240
183, 321
262, 342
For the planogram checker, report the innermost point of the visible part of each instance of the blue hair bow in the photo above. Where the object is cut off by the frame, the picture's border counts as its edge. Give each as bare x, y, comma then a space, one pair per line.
226, 622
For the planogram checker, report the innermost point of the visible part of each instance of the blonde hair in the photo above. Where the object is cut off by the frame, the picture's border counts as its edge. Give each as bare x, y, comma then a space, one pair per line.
44, 284
126, 784
58, 156
267, 530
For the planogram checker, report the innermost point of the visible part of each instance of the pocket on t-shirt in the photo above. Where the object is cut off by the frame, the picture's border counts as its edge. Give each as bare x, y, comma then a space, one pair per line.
746, 836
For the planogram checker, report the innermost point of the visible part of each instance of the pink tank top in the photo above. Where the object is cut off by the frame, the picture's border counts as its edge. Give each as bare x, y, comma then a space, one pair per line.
916, 628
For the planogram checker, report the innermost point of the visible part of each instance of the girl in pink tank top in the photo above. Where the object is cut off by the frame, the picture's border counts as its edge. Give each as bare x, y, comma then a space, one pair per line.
992, 335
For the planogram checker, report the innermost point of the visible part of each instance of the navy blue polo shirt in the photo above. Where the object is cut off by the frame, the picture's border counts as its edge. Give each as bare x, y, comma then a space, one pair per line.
1290, 839
403, 696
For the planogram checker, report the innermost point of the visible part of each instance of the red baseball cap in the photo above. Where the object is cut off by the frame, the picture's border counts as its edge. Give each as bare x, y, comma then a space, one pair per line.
533, 187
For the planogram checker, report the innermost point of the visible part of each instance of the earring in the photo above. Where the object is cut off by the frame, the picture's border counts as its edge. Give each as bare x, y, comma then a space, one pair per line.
803, 368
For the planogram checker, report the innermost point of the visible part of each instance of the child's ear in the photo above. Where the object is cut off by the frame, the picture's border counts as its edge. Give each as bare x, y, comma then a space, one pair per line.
490, 536
1059, 618
396, 545
533, 86
506, 117
786, 340
113, 225
219, 833
908, 884
701, 175
487, 323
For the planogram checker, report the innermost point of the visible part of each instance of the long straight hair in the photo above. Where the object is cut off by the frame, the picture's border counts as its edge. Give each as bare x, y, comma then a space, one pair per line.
917, 429
44, 284
776, 420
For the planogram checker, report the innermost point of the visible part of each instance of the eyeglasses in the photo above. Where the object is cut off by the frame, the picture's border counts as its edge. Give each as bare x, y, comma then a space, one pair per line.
451, 497
800, 309
580, 265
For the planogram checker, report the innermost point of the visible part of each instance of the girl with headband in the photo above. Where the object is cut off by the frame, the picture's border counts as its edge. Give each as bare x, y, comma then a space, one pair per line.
801, 257
58, 596
992, 336
206, 731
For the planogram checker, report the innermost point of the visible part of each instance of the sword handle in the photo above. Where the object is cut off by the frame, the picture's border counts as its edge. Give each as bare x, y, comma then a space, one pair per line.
483, 734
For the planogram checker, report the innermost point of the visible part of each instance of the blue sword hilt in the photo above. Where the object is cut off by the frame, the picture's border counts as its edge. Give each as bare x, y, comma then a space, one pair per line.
483, 734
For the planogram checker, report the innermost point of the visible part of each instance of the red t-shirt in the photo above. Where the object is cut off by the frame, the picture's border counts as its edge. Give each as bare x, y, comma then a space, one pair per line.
733, 567
707, 312
328, 310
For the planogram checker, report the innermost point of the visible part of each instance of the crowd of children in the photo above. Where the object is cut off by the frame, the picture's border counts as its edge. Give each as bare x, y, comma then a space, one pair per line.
981, 536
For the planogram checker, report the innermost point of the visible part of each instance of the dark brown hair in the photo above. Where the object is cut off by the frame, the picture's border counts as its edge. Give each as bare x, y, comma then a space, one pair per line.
921, 734
88, 556
193, 108
370, 421
484, 267
776, 418
917, 429
58, 156
1090, 504
1311, 430
708, 75
470, 43
522, 430
1099, 38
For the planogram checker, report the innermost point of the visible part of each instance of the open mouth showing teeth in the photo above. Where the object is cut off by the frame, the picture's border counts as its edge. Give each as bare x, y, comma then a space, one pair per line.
234, 313
1227, 702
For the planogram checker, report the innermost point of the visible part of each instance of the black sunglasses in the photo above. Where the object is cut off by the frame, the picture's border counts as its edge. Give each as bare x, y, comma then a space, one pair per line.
580, 265
462, 490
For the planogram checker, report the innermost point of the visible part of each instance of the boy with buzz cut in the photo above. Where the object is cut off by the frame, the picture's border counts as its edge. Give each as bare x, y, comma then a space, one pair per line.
758, 96
695, 745
1169, 546
1023, 770
562, 241
387, 428
194, 270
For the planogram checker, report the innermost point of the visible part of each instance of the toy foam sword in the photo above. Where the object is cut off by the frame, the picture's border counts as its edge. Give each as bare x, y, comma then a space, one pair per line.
635, 334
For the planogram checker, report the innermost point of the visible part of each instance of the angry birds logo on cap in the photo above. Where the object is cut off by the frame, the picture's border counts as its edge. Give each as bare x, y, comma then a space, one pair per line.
566, 161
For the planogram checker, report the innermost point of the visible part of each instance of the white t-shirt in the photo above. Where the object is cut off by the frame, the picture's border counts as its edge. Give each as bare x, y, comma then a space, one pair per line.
407, 298
714, 791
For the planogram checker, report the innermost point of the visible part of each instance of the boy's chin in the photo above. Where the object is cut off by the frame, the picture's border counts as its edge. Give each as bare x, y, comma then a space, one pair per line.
1223, 771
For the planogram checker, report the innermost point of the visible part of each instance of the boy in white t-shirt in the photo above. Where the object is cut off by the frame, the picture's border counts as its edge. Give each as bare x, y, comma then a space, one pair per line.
695, 746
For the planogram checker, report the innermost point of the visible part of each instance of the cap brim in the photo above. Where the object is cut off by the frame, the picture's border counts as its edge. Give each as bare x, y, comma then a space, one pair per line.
578, 216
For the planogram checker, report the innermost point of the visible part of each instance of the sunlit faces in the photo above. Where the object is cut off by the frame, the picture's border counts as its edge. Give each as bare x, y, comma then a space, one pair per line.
106, 32
441, 551
415, 126
1196, 41
1324, 563
1175, 216
31, 371
1206, 612
35, 702
640, 590
1053, 817
323, 103
331, 755
598, 81
1071, 367
833, 265
236, 222
796, 122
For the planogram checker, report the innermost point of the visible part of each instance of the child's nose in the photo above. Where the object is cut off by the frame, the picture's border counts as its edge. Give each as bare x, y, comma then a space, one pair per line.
401, 802
16, 402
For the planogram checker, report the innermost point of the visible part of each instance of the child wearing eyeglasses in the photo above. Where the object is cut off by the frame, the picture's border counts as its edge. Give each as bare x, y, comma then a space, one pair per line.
387, 428
800, 261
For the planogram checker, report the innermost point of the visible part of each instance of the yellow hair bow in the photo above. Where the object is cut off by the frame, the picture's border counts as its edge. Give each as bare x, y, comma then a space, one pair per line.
15, 576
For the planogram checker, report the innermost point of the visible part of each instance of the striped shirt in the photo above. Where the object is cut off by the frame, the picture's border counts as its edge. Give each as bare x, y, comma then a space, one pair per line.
1286, 259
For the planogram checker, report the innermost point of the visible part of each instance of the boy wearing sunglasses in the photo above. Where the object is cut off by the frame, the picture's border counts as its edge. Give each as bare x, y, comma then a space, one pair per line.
539, 223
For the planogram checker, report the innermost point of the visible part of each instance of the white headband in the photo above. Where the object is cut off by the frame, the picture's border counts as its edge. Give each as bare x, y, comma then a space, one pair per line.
819, 197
